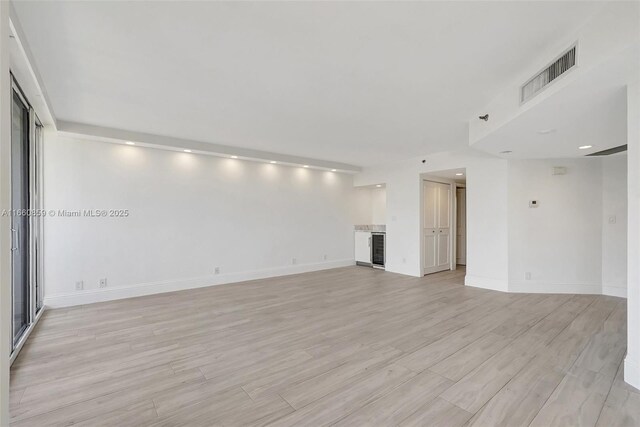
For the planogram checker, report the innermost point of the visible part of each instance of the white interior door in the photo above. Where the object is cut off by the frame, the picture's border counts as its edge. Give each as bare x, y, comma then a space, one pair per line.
461, 228
437, 227
430, 227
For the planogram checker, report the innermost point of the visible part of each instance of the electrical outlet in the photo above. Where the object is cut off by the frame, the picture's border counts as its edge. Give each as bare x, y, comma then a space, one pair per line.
79, 285
527, 275
103, 283
294, 261
216, 270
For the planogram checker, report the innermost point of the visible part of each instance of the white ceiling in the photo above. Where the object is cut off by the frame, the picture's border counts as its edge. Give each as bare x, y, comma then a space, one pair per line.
359, 83
590, 111
451, 174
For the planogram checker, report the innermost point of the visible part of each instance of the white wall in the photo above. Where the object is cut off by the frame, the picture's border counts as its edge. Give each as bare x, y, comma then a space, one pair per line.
189, 214
614, 235
363, 214
378, 206
632, 360
486, 207
370, 205
560, 241
6, 334
567, 242
487, 224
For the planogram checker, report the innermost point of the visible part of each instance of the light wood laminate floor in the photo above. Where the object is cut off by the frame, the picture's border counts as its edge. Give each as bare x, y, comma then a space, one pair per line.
352, 346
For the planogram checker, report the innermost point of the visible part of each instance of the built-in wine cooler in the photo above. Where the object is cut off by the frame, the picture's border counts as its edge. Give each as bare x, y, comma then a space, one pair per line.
377, 249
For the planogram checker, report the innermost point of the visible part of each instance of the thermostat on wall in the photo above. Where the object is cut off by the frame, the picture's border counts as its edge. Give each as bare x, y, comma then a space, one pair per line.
533, 203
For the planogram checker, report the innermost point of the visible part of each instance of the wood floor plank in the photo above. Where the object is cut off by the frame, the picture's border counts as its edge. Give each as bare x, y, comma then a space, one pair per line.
138, 414
622, 407
343, 402
520, 400
438, 412
577, 401
470, 357
481, 384
353, 346
400, 403
603, 354
312, 389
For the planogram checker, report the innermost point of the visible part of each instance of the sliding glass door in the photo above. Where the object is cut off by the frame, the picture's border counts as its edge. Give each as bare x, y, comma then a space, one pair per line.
19, 223
35, 225
26, 222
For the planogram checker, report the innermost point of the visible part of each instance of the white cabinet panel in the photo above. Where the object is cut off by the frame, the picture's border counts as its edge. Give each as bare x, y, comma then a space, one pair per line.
430, 208
443, 250
444, 206
430, 250
363, 246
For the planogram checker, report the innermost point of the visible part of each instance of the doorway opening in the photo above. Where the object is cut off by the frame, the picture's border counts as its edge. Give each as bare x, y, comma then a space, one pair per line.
443, 231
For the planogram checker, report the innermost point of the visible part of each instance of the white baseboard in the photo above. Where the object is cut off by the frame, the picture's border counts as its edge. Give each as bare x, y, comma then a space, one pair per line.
530, 287
141, 289
614, 291
632, 372
486, 283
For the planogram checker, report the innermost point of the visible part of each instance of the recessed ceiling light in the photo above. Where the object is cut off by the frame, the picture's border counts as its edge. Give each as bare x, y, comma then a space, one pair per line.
506, 152
187, 151
459, 174
130, 143
305, 166
378, 185
273, 162
584, 147
333, 170
234, 157
546, 131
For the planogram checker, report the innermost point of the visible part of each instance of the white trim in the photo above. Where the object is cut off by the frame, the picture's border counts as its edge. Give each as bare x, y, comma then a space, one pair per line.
632, 372
6, 333
453, 223
33, 81
141, 289
486, 283
614, 291
120, 136
531, 287
25, 336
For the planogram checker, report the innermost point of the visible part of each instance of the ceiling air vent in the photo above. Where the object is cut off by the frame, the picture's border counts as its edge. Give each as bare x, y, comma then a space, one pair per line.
549, 74
610, 151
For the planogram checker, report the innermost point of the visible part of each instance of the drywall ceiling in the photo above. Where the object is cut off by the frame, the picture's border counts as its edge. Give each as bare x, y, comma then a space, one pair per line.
353, 82
592, 110
452, 174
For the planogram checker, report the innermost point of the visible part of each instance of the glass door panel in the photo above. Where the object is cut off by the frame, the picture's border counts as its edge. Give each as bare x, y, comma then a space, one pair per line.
19, 219
36, 220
